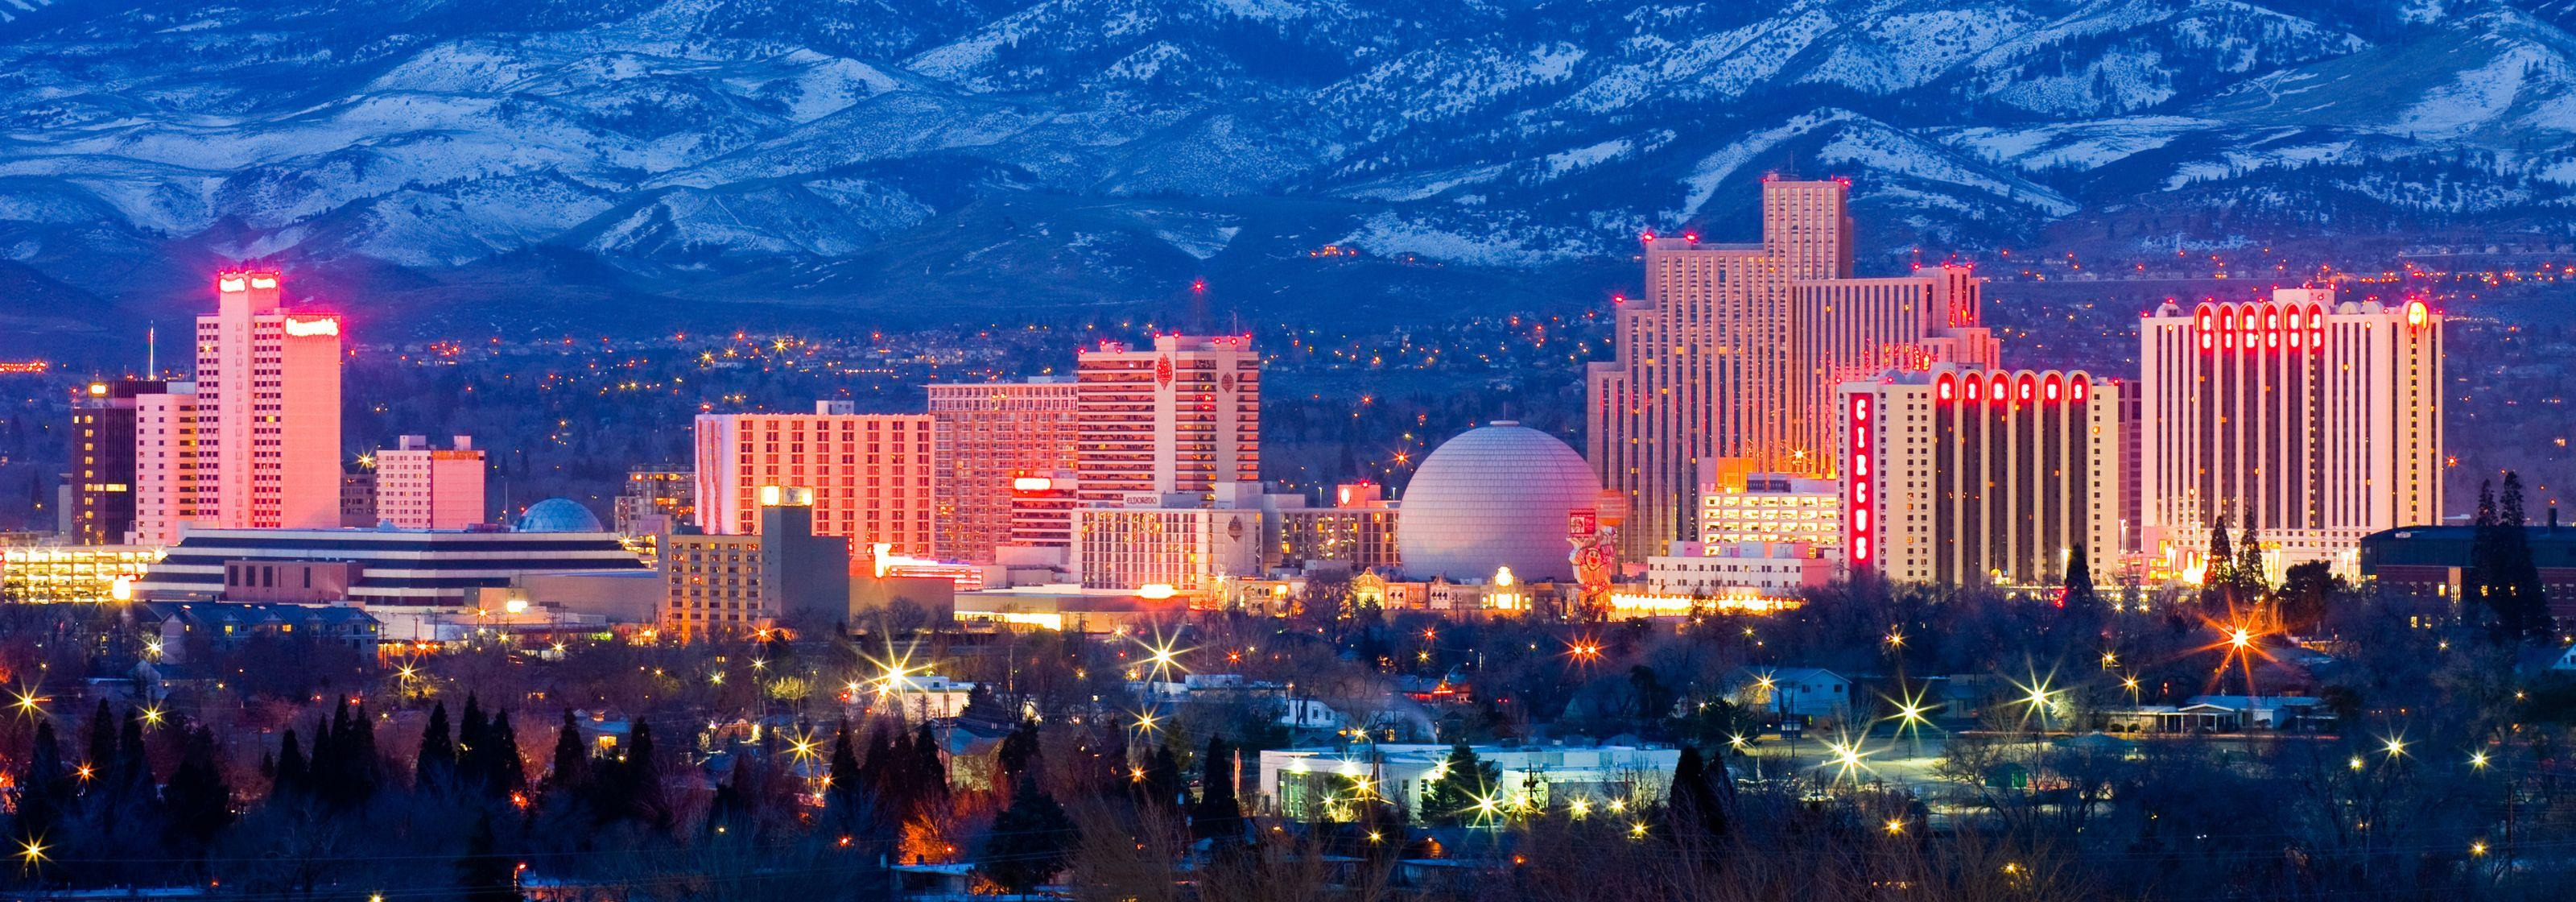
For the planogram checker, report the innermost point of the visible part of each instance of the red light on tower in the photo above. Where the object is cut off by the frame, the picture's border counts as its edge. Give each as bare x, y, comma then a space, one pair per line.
1198, 285
1648, 237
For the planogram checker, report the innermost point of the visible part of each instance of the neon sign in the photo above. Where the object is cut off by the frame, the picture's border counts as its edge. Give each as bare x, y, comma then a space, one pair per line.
1862, 501
308, 327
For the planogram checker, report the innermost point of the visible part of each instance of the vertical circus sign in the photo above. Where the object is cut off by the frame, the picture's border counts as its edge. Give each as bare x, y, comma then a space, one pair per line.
1862, 499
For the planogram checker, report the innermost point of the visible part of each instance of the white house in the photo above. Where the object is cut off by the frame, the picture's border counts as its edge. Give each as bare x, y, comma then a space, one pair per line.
1793, 692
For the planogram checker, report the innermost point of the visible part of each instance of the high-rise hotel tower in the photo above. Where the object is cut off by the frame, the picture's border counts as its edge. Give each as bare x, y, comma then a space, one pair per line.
2318, 419
1735, 351
1182, 416
255, 442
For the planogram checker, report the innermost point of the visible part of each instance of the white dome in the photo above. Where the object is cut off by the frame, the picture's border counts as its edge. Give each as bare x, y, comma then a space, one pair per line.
1495, 496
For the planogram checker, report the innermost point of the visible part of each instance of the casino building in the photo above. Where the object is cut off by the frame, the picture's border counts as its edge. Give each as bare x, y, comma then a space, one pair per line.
1961, 476
2317, 419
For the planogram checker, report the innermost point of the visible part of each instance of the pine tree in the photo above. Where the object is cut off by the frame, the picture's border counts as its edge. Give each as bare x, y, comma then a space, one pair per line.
2220, 572
1696, 813
1217, 816
2247, 575
45, 793
1163, 786
197, 799
1030, 841
572, 758
2479, 582
292, 778
844, 793
1460, 788
2516, 573
929, 771
1019, 751
2079, 595
435, 768
500, 771
483, 873
640, 780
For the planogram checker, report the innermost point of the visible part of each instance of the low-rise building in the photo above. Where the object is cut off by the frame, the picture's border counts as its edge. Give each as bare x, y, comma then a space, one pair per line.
1320, 783
189, 627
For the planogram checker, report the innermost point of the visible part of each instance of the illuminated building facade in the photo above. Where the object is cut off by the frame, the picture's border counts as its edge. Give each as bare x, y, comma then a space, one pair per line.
1182, 416
166, 465
1180, 545
1735, 350
668, 494
983, 437
1042, 509
1969, 476
268, 410
420, 487
722, 585
84, 573
1359, 531
2317, 419
102, 458
445, 568
1738, 506
871, 474
1846, 329
1739, 569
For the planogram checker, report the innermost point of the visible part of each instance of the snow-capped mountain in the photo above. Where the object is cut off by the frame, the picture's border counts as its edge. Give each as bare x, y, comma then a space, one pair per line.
919, 156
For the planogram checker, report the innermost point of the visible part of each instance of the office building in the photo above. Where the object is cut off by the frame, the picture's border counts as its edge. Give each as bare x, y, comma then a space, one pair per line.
102, 458
983, 437
257, 444
1182, 416
1314, 783
1735, 349
667, 494
870, 474
2317, 419
44, 574
783, 573
1978, 477
420, 487
2435, 563
358, 493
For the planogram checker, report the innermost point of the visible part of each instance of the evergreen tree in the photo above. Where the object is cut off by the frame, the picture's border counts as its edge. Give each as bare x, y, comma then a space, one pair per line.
844, 793
1460, 788
1696, 811
1163, 786
1030, 841
499, 769
2219, 574
292, 778
1019, 753
435, 768
572, 758
2478, 583
640, 780
2247, 575
45, 793
102, 738
929, 771
2516, 574
483, 874
197, 799
2079, 595
1217, 816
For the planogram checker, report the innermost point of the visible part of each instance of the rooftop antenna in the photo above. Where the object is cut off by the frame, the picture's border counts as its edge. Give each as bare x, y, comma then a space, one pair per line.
151, 349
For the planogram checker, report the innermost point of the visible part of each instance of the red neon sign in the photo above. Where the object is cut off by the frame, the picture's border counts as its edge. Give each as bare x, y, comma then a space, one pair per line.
1860, 503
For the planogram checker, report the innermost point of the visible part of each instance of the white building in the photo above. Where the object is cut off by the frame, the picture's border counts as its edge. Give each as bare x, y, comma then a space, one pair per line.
1737, 506
1793, 692
1754, 569
2318, 419
1312, 783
